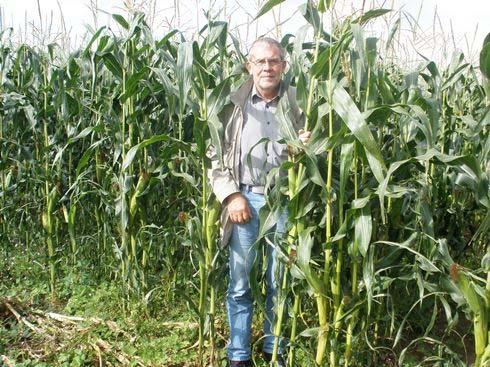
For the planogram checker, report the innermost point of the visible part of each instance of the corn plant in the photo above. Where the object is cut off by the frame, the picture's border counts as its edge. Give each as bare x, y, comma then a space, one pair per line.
103, 166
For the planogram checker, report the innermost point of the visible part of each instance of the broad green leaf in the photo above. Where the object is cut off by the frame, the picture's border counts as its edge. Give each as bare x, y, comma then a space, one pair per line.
368, 277
70, 141
82, 134
202, 69
217, 35
218, 97
164, 79
132, 84
94, 38
363, 229
268, 219
455, 77
216, 131
285, 118
111, 63
429, 265
305, 244
426, 218
485, 262
82, 163
120, 19
312, 166
358, 34
154, 139
352, 117
371, 14
267, 7
346, 157
485, 57
183, 73
311, 15
394, 29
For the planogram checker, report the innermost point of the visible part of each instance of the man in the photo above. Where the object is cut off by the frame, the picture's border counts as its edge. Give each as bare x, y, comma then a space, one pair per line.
250, 150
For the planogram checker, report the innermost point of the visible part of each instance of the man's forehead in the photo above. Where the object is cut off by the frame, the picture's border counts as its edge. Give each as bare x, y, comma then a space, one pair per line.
261, 49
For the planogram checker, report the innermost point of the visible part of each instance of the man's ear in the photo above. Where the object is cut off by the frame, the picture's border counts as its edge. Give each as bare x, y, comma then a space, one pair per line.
285, 67
248, 67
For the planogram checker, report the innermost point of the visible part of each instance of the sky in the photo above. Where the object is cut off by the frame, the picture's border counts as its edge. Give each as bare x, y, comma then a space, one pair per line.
432, 28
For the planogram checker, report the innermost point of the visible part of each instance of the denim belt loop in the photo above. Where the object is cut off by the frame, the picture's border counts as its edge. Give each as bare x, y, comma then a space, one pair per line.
255, 189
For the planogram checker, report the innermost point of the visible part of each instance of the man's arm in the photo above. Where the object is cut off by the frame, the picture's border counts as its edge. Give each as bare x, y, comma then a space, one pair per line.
220, 178
226, 189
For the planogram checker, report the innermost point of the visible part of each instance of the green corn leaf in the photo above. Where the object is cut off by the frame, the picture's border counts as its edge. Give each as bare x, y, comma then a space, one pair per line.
305, 244
455, 77
394, 29
363, 229
204, 74
485, 57
285, 119
267, 7
120, 19
218, 97
358, 34
346, 157
424, 261
352, 117
371, 14
132, 84
312, 166
84, 133
477, 305
368, 277
268, 218
322, 6
310, 13
217, 35
183, 73
310, 332
485, 262
82, 163
165, 81
94, 38
114, 66
130, 155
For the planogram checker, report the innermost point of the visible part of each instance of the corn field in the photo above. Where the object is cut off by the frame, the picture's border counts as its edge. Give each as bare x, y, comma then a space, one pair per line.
103, 170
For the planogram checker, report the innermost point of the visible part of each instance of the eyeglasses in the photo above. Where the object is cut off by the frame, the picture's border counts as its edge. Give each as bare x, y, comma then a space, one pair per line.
262, 62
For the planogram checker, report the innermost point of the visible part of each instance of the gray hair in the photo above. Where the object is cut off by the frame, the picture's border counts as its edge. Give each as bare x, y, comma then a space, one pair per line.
271, 42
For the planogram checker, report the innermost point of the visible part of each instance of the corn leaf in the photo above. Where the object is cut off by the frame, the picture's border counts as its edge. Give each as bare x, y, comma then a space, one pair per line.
267, 7
352, 117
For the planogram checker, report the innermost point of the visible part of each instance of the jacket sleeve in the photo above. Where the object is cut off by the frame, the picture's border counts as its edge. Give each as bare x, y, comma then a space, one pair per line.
220, 177
220, 174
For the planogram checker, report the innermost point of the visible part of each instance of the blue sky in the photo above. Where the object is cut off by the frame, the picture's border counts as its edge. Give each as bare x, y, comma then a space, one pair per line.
460, 25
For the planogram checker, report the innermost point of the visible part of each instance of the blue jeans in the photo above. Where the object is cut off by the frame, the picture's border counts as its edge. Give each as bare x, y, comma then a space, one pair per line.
239, 299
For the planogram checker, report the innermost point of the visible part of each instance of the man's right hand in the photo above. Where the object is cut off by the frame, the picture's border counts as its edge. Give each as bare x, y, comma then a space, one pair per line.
238, 208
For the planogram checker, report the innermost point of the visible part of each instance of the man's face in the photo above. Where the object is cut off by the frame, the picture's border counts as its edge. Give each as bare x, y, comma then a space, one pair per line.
266, 67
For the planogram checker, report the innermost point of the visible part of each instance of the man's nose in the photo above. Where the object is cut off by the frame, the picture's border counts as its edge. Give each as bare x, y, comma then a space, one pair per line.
267, 65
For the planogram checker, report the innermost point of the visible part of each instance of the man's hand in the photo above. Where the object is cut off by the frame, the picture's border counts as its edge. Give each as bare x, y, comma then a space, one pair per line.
304, 136
238, 208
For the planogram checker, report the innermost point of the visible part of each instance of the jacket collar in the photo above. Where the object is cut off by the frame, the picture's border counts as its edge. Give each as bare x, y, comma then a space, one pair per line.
239, 97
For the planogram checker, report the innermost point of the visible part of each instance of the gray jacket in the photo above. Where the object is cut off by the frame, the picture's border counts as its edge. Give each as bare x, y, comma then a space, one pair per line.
224, 179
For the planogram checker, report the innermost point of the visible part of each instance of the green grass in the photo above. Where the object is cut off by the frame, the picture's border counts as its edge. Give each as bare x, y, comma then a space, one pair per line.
164, 334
